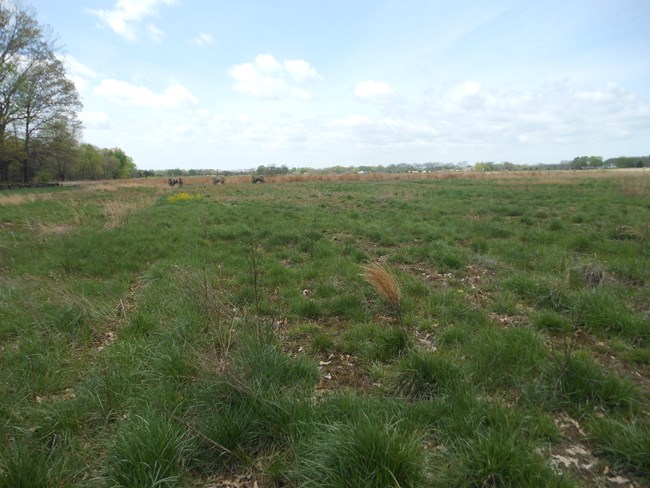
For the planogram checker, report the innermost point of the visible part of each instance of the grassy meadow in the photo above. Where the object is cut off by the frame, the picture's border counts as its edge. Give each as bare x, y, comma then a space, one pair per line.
408, 330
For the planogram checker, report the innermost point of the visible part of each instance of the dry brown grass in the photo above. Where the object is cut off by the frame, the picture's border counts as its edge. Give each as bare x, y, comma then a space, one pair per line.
41, 231
384, 281
634, 186
117, 212
6, 200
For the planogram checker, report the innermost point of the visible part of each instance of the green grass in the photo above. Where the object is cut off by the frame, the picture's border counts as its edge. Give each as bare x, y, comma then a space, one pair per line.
154, 342
361, 454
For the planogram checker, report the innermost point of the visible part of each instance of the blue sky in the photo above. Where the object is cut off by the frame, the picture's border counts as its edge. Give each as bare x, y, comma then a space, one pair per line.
232, 85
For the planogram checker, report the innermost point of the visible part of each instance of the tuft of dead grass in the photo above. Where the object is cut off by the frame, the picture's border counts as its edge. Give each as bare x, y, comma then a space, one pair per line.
117, 211
6, 200
633, 186
384, 281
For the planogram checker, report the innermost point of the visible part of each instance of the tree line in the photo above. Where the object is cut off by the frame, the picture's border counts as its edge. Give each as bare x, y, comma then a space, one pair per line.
39, 106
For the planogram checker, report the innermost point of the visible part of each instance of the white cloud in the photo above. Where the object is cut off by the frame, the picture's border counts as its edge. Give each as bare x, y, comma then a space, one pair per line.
372, 89
202, 39
266, 77
155, 33
300, 70
127, 14
76, 67
77, 72
94, 120
127, 94
266, 62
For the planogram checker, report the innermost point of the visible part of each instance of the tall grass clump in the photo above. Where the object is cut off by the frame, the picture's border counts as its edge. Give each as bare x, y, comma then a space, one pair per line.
385, 282
498, 459
578, 382
507, 357
427, 375
363, 454
625, 444
25, 465
376, 343
148, 450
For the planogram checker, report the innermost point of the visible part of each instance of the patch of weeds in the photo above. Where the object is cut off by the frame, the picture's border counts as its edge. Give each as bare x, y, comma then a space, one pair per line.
362, 454
322, 342
582, 243
307, 309
450, 307
547, 320
505, 303
455, 335
580, 383
148, 450
625, 444
507, 357
183, 197
140, 324
603, 312
346, 305
374, 342
427, 375
267, 366
640, 355
498, 458
479, 246
541, 293
445, 257
25, 465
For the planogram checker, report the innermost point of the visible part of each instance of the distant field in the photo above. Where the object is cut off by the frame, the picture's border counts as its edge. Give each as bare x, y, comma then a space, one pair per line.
443, 329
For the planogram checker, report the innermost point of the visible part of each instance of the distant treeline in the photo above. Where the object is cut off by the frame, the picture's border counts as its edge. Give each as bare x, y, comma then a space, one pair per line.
581, 162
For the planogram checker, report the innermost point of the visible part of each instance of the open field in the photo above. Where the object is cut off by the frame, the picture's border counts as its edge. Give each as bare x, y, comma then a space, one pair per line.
364, 330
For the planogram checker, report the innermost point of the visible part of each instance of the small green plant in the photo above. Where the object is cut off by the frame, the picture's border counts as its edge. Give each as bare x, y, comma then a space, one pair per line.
363, 454
507, 357
499, 458
148, 450
322, 342
626, 444
552, 322
427, 375
581, 383
376, 343
24, 465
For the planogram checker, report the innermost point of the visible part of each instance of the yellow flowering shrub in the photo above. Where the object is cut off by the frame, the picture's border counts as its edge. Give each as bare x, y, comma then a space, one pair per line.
182, 197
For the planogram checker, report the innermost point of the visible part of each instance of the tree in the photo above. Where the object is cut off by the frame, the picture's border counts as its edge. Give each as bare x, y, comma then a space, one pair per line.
587, 162
57, 150
34, 91
121, 164
46, 97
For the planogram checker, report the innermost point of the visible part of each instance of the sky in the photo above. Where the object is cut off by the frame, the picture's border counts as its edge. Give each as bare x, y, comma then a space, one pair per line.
214, 84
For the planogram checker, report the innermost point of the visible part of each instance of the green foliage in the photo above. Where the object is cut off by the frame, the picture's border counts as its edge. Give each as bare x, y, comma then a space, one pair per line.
148, 450
581, 383
427, 375
374, 342
626, 444
361, 454
507, 357
25, 465
497, 458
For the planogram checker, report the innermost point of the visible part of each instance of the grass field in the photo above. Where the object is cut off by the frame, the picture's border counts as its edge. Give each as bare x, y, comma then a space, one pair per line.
364, 331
